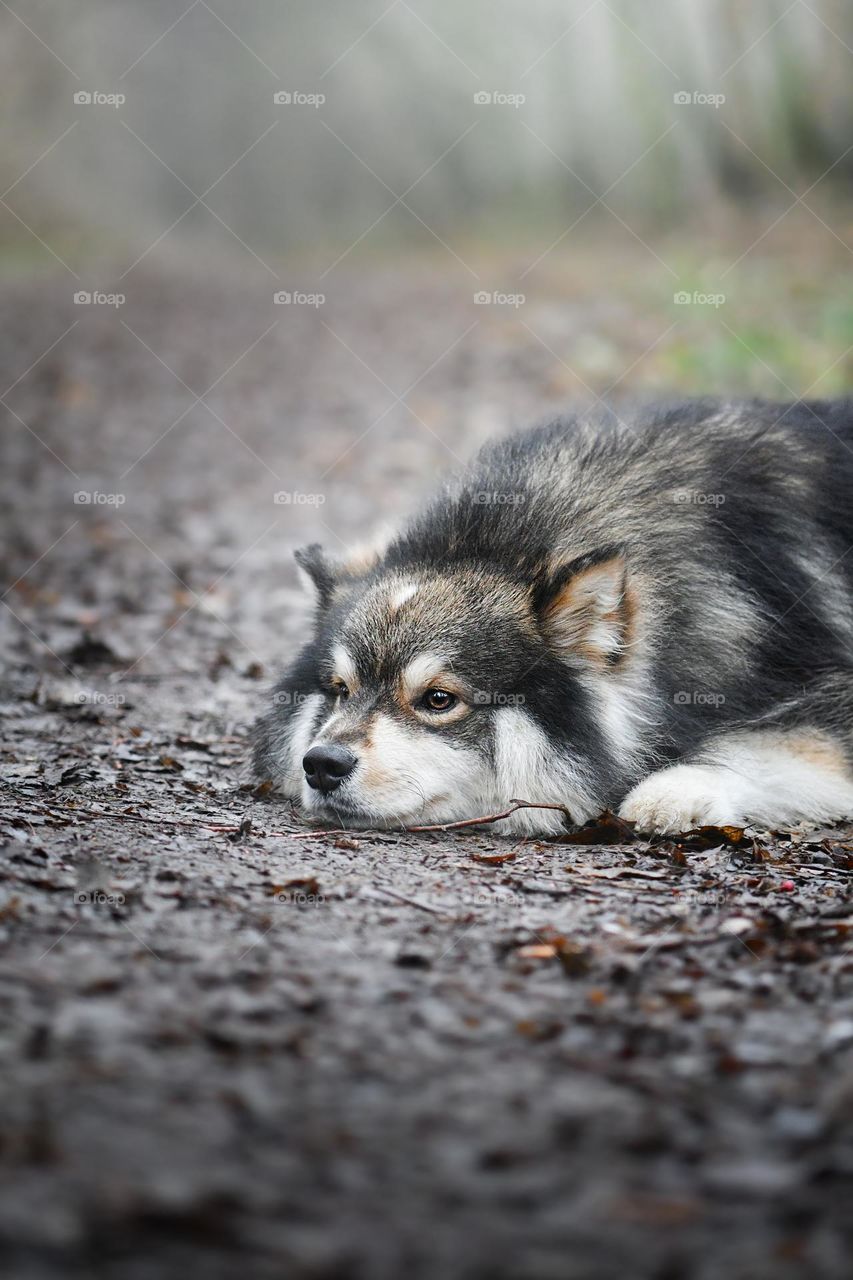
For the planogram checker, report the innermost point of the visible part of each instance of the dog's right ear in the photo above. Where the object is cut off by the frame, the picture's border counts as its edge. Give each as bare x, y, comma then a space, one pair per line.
317, 572
586, 607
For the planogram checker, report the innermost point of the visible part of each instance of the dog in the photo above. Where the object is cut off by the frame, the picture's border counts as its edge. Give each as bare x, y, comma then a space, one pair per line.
645, 611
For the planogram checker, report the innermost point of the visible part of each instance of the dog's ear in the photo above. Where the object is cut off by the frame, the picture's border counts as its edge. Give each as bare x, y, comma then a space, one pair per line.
585, 608
322, 574
316, 567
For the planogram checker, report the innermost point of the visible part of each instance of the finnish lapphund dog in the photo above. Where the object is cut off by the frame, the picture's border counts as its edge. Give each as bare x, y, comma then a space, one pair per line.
649, 612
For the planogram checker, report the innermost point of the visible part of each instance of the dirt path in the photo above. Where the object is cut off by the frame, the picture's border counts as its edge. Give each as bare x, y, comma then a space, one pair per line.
327, 1057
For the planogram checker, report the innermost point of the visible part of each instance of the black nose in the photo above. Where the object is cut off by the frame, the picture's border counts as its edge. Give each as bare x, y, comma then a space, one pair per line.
327, 766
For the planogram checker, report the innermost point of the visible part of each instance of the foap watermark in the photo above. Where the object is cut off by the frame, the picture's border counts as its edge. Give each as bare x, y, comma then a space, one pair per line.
97, 98
702, 900
293, 498
83, 298
696, 98
290, 698
298, 98
94, 498
496, 98
686, 298
697, 498
286, 298
299, 897
491, 698
97, 898
698, 698
499, 498
94, 698
483, 298
495, 904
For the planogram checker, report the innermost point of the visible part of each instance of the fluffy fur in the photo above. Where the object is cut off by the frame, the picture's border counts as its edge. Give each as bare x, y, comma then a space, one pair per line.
650, 612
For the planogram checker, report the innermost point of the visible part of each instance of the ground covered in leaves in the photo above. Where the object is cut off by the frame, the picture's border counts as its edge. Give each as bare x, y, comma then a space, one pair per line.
231, 1046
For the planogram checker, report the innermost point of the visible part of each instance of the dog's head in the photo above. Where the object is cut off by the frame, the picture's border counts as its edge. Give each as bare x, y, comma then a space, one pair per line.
436, 693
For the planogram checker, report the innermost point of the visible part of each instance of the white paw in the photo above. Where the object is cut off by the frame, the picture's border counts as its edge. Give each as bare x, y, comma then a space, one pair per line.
680, 798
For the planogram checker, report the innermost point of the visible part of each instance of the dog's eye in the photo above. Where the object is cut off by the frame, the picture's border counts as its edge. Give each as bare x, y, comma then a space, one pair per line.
339, 690
438, 700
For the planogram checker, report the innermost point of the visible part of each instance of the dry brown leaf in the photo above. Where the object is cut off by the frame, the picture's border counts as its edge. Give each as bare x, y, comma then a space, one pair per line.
613, 873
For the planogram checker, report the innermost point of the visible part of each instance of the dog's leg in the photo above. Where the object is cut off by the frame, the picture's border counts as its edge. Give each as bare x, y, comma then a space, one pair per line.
772, 778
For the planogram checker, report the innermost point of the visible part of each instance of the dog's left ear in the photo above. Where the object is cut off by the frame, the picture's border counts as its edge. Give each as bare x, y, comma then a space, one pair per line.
316, 565
324, 574
585, 608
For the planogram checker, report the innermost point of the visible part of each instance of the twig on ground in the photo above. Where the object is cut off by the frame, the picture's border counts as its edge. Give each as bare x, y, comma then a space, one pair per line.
492, 817
412, 902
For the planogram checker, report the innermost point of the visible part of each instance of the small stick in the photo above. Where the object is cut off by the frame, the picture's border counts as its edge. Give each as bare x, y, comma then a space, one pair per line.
492, 817
412, 902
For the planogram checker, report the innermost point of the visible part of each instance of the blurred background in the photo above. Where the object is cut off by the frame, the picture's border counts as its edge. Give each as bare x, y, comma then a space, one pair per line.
269, 270
589, 89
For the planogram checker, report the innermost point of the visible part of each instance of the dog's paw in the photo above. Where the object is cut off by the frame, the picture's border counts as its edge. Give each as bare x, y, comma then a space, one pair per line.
679, 799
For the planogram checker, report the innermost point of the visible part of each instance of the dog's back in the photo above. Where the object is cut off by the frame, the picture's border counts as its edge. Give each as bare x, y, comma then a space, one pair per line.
737, 515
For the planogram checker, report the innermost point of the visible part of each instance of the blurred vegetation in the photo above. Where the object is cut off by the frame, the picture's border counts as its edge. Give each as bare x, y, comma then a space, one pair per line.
774, 320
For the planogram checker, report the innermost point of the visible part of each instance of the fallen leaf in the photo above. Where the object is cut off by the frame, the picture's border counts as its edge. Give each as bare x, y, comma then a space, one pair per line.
614, 873
608, 829
301, 884
706, 837
538, 951
573, 956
